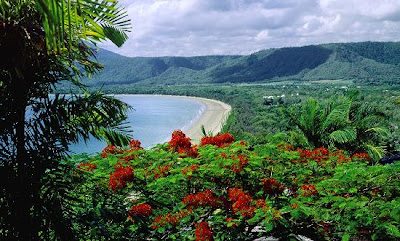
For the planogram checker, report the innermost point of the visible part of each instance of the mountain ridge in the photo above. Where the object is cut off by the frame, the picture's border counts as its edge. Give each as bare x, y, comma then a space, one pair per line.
369, 62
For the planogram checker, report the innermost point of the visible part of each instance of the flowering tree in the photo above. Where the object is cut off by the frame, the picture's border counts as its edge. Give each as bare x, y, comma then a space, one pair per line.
231, 191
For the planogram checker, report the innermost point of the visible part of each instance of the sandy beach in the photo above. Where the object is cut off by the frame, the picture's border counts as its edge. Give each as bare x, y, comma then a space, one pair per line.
213, 118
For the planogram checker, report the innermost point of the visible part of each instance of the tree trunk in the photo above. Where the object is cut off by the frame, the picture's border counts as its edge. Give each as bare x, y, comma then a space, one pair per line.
23, 201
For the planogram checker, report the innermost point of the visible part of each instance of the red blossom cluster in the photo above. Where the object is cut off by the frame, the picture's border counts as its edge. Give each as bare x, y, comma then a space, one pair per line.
203, 232
172, 219
309, 190
321, 155
324, 227
202, 199
342, 159
128, 157
181, 144
361, 156
121, 176
188, 169
140, 210
219, 140
285, 147
238, 167
294, 205
224, 155
135, 145
87, 167
161, 171
271, 186
375, 191
318, 154
241, 202
110, 149
243, 143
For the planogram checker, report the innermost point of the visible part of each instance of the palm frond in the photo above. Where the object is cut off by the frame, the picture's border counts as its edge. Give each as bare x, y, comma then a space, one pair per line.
375, 152
338, 115
308, 115
343, 135
113, 136
379, 130
84, 19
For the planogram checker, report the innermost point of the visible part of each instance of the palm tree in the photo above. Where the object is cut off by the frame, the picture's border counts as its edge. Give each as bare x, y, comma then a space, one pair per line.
45, 42
341, 123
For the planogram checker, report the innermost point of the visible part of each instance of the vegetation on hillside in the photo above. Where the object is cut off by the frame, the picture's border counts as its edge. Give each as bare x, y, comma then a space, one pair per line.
366, 62
261, 110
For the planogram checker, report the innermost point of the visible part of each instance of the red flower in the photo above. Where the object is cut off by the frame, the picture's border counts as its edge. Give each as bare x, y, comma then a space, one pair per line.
224, 155
309, 190
172, 219
201, 199
361, 156
120, 177
342, 159
161, 171
192, 152
324, 227
241, 202
294, 205
135, 145
87, 167
128, 157
110, 149
191, 168
181, 144
219, 140
203, 232
140, 210
272, 187
179, 141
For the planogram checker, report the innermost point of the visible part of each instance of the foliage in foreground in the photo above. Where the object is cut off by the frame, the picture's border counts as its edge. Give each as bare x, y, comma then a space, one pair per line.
43, 43
226, 190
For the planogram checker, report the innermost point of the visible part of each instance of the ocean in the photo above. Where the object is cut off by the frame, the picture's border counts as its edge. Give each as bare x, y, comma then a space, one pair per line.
152, 120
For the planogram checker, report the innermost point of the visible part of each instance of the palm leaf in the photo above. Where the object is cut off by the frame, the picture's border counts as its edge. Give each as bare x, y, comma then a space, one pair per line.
343, 136
375, 152
91, 20
379, 130
308, 115
339, 115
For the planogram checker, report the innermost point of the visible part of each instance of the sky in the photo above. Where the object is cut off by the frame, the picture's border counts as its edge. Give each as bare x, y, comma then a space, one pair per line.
239, 27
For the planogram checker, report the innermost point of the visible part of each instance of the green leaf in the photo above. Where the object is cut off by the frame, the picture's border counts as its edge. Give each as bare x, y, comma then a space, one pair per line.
353, 190
393, 230
346, 237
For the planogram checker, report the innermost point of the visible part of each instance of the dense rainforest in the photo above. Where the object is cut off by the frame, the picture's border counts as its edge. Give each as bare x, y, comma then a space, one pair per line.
366, 62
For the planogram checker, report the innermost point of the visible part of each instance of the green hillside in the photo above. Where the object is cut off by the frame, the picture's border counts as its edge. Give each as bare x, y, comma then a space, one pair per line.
369, 62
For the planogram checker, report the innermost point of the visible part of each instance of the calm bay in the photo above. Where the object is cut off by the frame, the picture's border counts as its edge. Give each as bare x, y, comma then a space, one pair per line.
152, 120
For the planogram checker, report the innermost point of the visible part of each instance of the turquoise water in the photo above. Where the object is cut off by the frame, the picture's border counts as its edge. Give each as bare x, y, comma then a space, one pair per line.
152, 121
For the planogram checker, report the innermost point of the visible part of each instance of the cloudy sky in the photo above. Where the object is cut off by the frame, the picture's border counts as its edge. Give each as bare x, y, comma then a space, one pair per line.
209, 27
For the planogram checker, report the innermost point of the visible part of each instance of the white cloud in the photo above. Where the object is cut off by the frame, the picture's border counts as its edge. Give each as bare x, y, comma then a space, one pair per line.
203, 27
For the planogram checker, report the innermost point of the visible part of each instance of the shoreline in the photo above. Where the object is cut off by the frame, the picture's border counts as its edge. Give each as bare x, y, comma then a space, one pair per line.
213, 117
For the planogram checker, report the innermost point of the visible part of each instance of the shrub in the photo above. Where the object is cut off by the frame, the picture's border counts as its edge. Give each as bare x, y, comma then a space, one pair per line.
226, 191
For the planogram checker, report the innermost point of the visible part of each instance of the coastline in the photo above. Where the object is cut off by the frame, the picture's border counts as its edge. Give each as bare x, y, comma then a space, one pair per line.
213, 116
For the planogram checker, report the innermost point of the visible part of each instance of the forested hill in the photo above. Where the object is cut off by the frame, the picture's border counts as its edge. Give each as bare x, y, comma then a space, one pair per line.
369, 62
